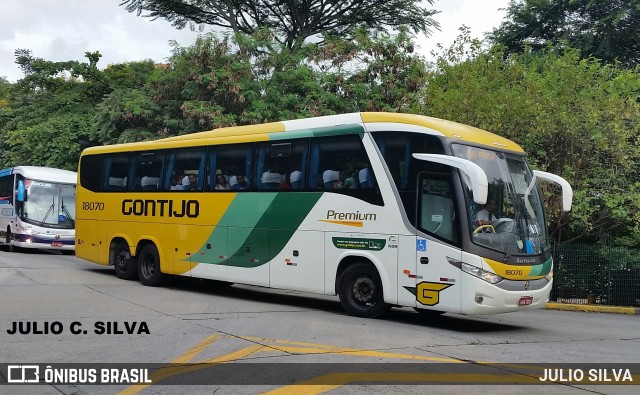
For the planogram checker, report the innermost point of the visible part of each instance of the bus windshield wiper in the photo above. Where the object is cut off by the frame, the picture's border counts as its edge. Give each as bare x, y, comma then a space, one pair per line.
516, 225
65, 211
53, 205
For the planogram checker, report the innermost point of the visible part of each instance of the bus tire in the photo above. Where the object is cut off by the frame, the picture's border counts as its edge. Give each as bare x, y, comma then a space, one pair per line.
125, 265
10, 247
149, 266
360, 291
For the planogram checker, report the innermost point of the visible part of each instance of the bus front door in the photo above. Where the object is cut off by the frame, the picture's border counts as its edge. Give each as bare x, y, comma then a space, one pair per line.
437, 280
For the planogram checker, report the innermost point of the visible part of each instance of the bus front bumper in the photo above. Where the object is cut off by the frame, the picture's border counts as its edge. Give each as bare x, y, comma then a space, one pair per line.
44, 242
480, 297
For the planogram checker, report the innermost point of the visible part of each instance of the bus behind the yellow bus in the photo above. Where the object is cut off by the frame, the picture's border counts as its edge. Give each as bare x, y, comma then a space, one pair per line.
37, 208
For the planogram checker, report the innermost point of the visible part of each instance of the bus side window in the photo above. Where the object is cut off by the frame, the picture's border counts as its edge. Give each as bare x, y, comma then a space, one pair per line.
340, 163
6, 189
147, 170
116, 170
180, 163
280, 164
92, 168
233, 161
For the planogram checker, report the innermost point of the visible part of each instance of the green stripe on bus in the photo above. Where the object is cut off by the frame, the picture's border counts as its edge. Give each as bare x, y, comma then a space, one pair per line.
542, 269
280, 215
318, 132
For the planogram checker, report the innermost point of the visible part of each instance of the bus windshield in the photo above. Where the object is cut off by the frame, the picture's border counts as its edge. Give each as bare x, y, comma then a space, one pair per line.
49, 204
512, 221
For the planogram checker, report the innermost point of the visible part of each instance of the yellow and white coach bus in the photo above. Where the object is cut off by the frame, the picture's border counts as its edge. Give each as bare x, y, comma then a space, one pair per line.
37, 208
382, 209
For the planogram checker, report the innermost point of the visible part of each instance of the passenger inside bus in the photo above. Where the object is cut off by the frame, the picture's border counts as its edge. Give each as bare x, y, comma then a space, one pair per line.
176, 184
240, 183
486, 216
192, 183
221, 183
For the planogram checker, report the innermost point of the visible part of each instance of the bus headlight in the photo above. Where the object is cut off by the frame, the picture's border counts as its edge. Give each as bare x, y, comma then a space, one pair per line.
489, 277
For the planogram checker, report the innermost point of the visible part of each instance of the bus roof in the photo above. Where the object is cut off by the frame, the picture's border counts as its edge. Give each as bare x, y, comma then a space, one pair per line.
43, 173
450, 129
347, 123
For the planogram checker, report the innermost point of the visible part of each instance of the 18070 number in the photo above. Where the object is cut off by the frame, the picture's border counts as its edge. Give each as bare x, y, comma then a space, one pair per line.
93, 206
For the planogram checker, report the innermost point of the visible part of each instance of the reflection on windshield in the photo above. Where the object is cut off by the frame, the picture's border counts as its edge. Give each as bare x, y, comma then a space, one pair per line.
512, 221
49, 204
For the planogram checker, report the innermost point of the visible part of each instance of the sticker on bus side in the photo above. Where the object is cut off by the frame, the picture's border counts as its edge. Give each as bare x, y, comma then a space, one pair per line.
349, 243
428, 293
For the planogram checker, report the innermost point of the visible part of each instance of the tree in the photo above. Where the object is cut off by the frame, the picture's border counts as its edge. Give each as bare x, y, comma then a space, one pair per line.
608, 30
213, 84
49, 110
292, 21
575, 117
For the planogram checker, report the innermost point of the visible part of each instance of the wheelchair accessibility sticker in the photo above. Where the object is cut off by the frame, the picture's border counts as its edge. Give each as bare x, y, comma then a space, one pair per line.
421, 244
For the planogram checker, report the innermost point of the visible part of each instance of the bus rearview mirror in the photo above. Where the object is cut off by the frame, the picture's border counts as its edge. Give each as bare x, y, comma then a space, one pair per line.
474, 173
567, 191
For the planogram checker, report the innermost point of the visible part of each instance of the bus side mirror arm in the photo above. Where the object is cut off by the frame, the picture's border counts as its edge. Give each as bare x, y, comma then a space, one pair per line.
567, 191
475, 174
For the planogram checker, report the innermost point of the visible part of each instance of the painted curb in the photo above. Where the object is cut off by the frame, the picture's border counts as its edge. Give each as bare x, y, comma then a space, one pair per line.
592, 308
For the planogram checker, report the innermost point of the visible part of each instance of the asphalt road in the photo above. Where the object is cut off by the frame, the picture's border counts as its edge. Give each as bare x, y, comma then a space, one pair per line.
189, 321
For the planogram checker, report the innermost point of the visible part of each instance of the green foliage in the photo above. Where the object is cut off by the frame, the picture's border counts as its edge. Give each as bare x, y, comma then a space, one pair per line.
293, 22
214, 83
47, 111
52, 142
575, 117
608, 30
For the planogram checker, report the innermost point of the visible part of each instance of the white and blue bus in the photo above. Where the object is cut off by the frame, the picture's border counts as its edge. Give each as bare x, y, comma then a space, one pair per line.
37, 208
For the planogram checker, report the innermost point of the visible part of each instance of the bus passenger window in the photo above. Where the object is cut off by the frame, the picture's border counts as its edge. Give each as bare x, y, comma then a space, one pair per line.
181, 163
116, 171
276, 162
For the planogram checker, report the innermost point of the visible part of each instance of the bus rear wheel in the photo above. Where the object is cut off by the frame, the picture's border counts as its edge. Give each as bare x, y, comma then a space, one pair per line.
149, 266
124, 263
360, 291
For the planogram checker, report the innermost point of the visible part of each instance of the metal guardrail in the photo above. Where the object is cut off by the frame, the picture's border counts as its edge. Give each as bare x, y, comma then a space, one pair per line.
596, 274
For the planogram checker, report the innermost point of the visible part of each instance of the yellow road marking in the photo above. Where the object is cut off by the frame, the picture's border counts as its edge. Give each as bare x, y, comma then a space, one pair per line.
286, 342
166, 372
197, 349
314, 386
364, 353
326, 349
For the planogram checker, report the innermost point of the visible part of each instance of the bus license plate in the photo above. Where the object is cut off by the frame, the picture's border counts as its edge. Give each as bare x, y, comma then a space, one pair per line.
56, 244
525, 301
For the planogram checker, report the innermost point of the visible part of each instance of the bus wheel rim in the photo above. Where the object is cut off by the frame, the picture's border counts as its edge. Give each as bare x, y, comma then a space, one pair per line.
364, 290
148, 265
122, 260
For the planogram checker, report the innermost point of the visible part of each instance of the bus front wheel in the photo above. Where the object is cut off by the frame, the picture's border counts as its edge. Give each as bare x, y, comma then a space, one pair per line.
360, 291
149, 266
124, 263
10, 247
